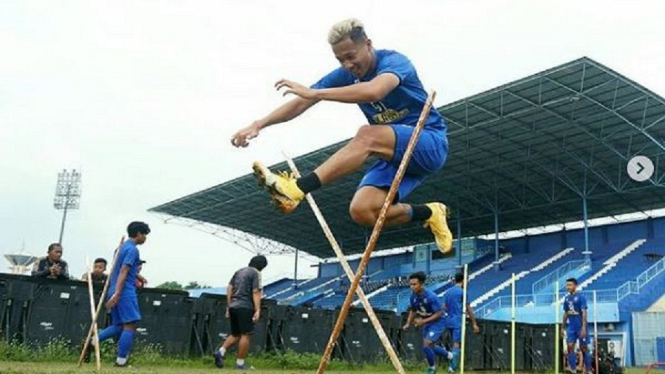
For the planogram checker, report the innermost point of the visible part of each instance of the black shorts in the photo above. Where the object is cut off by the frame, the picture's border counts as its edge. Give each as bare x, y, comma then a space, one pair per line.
241, 321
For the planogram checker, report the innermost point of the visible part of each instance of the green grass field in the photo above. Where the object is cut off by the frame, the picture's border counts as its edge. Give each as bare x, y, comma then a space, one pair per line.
67, 368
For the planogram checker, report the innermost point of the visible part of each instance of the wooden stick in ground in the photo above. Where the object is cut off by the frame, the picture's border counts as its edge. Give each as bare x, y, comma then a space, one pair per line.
91, 293
349, 273
102, 298
376, 232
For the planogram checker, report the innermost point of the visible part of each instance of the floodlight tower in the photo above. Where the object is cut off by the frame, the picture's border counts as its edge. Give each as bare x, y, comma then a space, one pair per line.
67, 195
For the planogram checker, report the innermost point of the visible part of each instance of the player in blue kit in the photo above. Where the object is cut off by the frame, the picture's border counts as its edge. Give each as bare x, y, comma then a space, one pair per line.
387, 89
452, 305
122, 299
425, 312
575, 315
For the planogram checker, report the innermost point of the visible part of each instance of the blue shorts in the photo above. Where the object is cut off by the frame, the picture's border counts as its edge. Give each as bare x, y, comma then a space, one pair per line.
126, 311
433, 331
455, 334
573, 336
428, 157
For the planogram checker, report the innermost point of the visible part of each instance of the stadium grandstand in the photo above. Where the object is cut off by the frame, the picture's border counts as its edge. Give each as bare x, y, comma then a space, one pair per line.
532, 164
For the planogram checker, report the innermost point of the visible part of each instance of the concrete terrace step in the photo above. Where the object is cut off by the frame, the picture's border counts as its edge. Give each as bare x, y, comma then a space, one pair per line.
611, 262
484, 269
519, 276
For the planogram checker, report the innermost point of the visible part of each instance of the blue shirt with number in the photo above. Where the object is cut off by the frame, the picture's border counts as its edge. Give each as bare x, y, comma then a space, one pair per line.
425, 305
574, 304
402, 105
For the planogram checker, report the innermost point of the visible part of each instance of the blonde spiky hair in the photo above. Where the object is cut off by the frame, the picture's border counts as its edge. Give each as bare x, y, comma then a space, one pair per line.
352, 28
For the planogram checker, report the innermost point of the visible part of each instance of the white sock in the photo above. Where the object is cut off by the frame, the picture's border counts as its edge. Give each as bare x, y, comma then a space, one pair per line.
222, 351
450, 355
240, 361
121, 360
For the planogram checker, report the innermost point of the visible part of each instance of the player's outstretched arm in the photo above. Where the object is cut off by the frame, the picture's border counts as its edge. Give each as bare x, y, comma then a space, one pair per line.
283, 113
365, 92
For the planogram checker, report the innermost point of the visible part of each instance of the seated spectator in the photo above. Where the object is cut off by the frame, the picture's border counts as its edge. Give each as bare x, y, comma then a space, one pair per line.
98, 272
52, 266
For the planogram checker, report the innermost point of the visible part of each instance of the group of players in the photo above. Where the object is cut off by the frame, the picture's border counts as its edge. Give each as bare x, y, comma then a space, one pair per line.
387, 89
435, 319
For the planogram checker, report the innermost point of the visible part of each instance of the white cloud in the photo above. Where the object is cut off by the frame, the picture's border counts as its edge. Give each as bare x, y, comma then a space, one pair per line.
144, 96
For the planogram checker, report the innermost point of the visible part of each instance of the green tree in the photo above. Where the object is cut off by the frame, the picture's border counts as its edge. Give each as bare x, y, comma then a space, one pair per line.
194, 285
172, 285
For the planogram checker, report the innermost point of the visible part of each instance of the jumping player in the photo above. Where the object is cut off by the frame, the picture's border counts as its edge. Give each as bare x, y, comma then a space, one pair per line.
452, 305
123, 302
425, 311
575, 315
387, 89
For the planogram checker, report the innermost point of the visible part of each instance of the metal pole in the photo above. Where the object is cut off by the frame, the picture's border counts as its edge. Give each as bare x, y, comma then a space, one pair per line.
295, 271
464, 316
556, 328
62, 224
64, 214
513, 314
459, 241
595, 332
496, 240
586, 224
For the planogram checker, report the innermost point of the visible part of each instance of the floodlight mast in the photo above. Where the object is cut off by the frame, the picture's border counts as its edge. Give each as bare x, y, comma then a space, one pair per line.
67, 195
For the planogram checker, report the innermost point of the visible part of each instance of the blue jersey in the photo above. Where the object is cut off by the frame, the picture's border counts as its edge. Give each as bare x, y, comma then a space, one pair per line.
128, 255
574, 304
453, 305
425, 305
402, 105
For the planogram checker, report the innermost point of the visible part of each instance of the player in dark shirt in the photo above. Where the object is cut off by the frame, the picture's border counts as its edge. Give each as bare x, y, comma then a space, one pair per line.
243, 296
52, 266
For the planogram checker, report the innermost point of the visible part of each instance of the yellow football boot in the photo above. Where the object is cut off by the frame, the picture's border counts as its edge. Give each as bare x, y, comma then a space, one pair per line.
437, 222
282, 187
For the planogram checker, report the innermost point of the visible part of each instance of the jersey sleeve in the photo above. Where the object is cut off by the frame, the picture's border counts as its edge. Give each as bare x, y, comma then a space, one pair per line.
131, 256
256, 281
396, 64
435, 303
336, 78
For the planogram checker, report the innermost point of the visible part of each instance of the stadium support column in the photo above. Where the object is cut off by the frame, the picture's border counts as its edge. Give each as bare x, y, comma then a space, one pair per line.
458, 268
497, 264
295, 271
587, 250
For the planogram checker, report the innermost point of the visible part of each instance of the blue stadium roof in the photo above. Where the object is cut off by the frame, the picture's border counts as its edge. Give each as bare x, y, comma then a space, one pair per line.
527, 151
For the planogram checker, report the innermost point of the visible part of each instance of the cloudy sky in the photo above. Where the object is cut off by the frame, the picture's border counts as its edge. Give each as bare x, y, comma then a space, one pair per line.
143, 97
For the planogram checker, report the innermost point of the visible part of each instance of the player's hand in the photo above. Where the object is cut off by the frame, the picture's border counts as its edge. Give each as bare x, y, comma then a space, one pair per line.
583, 334
476, 329
242, 137
256, 316
113, 301
295, 89
406, 327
